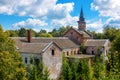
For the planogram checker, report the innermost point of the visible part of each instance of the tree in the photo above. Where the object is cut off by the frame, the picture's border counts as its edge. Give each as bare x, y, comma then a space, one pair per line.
45, 35
99, 67
13, 33
36, 70
116, 44
110, 32
66, 73
82, 49
83, 70
11, 67
22, 32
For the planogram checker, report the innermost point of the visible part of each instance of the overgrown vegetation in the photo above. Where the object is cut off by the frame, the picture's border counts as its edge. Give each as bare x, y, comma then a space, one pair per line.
11, 67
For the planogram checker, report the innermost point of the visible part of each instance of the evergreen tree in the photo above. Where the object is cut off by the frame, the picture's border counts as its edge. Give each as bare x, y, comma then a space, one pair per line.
11, 67
83, 70
99, 68
66, 73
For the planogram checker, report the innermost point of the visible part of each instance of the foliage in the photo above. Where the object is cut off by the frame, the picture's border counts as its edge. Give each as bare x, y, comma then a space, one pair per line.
11, 67
116, 44
82, 49
99, 68
45, 35
83, 70
66, 73
75, 70
37, 71
22, 32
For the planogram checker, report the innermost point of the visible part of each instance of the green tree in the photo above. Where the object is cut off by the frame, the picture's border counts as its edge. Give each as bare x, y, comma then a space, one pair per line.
83, 70
116, 44
22, 32
66, 73
13, 33
82, 49
45, 35
99, 68
11, 67
45, 74
36, 70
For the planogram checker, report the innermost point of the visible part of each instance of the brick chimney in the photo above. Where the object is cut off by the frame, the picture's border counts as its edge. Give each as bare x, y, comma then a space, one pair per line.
29, 37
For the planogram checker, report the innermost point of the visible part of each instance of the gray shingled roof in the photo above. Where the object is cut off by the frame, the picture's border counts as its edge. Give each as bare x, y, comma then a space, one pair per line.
62, 42
96, 42
85, 33
38, 44
26, 47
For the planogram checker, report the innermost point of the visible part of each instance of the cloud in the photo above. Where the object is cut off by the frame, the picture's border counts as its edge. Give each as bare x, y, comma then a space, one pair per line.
68, 20
109, 9
95, 25
30, 23
55, 14
36, 8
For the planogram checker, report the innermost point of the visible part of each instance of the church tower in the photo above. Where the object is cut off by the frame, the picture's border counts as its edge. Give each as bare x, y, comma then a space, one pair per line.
81, 22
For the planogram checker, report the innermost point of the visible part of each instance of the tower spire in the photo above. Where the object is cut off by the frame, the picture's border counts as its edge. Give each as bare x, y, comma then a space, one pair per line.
81, 22
81, 18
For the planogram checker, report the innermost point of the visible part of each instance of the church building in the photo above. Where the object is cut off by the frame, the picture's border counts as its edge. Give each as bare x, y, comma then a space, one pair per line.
82, 36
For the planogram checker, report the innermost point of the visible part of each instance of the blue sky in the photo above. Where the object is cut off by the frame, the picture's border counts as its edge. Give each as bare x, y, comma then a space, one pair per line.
49, 14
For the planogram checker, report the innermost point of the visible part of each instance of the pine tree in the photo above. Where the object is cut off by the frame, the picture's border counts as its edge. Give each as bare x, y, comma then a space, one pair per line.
66, 73
99, 68
83, 70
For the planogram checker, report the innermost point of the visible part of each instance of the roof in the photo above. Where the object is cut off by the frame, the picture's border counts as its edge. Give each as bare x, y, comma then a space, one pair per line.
39, 43
96, 42
81, 56
32, 47
85, 33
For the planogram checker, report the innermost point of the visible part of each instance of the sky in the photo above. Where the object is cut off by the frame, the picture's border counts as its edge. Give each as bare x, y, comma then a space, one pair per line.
50, 14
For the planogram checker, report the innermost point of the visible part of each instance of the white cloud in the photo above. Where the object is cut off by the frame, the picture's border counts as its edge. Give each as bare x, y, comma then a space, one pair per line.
68, 20
35, 8
30, 23
46, 10
109, 9
95, 25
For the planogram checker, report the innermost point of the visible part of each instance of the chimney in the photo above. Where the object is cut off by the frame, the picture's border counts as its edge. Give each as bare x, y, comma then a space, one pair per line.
29, 36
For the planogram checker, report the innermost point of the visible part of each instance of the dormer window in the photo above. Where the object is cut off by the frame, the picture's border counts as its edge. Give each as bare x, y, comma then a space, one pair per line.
53, 52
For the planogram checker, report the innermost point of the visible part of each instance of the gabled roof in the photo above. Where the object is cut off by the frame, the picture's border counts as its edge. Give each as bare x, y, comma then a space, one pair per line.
81, 32
85, 33
96, 42
39, 43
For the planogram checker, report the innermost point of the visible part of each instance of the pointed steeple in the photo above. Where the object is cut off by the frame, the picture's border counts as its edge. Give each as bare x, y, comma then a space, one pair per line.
81, 18
81, 22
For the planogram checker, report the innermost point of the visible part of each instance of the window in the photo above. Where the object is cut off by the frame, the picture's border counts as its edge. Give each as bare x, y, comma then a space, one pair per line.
25, 59
67, 53
36, 61
31, 60
53, 52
